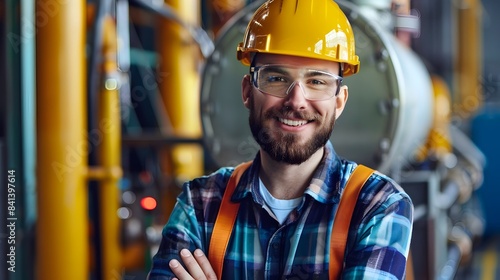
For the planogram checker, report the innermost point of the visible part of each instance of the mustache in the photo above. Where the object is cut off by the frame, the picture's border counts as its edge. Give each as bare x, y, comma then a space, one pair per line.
287, 112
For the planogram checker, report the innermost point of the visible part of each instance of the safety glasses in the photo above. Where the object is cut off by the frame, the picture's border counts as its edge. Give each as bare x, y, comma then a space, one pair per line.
279, 80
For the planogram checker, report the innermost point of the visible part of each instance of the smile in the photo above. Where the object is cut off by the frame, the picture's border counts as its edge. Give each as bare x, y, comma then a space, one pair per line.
293, 122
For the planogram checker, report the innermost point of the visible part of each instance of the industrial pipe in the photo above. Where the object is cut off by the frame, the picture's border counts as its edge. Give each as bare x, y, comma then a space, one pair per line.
109, 170
469, 52
179, 83
62, 250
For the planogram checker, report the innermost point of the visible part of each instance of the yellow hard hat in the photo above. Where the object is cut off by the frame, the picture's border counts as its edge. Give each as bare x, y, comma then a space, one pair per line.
307, 28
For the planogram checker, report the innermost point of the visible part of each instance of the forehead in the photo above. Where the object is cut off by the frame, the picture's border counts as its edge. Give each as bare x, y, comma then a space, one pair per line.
265, 58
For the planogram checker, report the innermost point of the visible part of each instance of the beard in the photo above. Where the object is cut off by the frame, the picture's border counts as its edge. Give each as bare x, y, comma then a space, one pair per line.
285, 147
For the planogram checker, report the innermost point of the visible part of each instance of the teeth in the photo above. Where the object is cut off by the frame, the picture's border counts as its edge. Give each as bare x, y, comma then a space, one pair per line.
292, 122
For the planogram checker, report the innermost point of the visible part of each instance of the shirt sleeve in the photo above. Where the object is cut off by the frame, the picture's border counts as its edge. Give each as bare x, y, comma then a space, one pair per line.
381, 244
181, 231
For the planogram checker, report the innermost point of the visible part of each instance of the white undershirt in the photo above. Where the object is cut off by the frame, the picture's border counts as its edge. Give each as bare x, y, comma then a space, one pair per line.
280, 207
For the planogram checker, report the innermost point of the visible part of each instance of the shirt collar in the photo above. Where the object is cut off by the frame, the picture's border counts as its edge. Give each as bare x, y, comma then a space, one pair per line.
324, 186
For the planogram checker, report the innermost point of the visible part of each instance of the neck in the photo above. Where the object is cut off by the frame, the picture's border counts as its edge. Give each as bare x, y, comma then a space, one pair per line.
288, 181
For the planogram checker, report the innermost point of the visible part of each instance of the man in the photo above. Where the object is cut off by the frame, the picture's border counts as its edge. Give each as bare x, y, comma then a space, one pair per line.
289, 196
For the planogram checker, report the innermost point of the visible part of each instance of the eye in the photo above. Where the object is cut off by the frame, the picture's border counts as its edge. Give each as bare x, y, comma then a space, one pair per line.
275, 78
317, 82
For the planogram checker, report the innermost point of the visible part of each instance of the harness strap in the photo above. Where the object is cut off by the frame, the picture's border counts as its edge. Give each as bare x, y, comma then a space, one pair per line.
228, 211
225, 221
340, 230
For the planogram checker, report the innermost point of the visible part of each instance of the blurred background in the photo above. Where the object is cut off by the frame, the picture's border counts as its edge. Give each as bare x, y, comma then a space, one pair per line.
107, 107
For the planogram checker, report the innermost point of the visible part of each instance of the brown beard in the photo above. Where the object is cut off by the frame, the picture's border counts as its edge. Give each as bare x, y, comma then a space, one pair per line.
283, 147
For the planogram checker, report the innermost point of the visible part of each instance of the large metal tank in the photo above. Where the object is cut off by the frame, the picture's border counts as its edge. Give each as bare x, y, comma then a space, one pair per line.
388, 114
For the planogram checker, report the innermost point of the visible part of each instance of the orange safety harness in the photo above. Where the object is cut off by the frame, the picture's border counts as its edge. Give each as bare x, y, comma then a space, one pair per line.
229, 210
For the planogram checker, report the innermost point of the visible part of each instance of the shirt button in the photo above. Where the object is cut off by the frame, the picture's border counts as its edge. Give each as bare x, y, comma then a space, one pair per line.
275, 245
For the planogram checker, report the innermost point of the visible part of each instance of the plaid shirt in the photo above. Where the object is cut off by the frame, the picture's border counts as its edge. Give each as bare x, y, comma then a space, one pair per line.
261, 248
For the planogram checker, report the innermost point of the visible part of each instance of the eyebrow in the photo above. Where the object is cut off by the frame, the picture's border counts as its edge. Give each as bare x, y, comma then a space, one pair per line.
314, 72
278, 69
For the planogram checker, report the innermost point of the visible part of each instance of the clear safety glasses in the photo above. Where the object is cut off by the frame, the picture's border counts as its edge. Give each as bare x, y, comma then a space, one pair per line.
279, 80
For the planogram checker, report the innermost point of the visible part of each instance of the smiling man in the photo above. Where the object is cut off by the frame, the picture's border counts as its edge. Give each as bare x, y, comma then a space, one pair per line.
285, 222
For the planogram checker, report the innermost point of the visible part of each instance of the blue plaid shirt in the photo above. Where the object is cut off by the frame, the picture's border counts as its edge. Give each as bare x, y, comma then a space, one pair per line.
262, 248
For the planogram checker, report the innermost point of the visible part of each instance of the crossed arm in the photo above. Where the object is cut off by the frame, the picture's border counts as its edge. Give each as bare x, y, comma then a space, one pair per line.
184, 241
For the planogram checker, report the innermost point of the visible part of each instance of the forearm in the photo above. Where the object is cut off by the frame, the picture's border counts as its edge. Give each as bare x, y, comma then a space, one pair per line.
182, 231
381, 248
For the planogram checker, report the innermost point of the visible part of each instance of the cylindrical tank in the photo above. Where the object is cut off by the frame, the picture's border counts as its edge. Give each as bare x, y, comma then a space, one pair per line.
388, 114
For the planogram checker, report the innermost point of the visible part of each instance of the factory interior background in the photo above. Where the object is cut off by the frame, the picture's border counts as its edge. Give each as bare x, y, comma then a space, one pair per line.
107, 107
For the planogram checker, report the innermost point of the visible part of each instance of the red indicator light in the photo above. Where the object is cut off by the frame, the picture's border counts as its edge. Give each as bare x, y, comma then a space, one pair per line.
148, 203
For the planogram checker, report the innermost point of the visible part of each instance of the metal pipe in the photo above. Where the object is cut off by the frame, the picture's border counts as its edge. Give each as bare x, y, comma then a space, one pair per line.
177, 15
109, 155
448, 196
62, 250
469, 52
466, 148
96, 14
449, 270
18, 131
180, 58
459, 250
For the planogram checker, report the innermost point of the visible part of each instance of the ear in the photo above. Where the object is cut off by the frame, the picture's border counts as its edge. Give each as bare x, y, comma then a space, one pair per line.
246, 90
341, 100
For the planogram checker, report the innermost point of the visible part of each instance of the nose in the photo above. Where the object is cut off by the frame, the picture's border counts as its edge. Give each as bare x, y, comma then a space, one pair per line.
296, 96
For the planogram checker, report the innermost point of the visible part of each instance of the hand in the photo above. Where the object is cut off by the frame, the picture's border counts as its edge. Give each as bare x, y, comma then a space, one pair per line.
198, 267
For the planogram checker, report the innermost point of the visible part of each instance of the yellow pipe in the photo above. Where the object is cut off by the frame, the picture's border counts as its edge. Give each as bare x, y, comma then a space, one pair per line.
109, 152
469, 64
101, 173
179, 83
62, 249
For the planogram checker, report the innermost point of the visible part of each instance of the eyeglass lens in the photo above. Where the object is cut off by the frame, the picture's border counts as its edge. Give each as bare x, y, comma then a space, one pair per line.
279, 81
